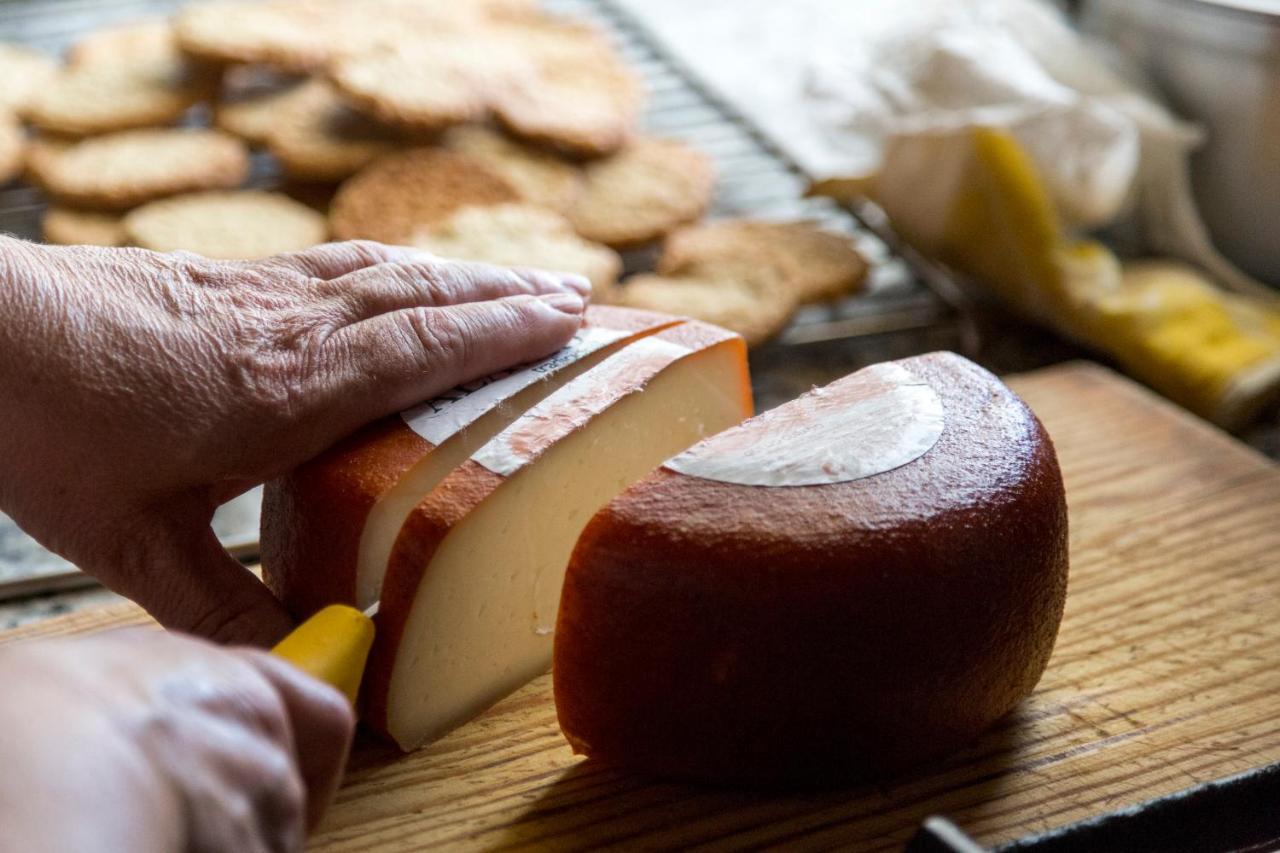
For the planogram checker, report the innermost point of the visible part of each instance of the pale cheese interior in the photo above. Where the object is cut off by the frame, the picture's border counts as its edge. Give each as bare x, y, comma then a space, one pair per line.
388, 515
481, 622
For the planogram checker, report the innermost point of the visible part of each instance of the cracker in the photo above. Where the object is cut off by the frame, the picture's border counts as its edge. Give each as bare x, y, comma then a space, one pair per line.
317, 137
13, 145
105, 97
548, 81
42, 152
149, 40
242, 224
824, 265
522, 235
756, 310
24, 72
581, 100
643, 192
67, 226
401, 194
308, 35
125, 169
252, 115
540, 178
429, 86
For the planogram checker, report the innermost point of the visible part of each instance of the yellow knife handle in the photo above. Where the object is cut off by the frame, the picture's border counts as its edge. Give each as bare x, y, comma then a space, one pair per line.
333, 646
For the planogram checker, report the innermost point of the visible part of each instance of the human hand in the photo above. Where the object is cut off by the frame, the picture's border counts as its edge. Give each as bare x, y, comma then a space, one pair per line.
144, 741
142, 390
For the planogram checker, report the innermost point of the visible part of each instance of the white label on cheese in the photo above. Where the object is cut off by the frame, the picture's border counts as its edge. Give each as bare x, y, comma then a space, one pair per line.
572, 406
873, 421
438, 419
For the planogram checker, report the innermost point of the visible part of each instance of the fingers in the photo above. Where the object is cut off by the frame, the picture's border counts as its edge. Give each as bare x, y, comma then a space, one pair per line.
322, 723
332, 260
394, 360
193, 585
426, 281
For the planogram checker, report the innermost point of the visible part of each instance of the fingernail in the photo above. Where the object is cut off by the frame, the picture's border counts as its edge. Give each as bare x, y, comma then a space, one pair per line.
568, 303
543, 278
579, 283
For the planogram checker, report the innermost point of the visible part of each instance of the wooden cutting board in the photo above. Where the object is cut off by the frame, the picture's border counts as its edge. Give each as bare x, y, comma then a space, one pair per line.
1166, 674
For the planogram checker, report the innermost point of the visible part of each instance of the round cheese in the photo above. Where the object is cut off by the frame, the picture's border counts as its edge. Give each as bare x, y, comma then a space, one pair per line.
859, 581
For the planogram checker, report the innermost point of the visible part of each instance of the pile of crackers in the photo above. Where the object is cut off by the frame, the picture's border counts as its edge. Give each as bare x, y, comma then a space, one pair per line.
476, 129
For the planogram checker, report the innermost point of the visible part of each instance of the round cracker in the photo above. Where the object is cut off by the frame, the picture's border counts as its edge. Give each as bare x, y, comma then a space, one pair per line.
756, 312
13, 146
243, 224
24, 72
643, 192
123, 170
401, 194
433, 85
309, 35
101, 98
823, 265
66, 226
318, 137
522, 235
580, 105
149, 40
251, 116
540, 178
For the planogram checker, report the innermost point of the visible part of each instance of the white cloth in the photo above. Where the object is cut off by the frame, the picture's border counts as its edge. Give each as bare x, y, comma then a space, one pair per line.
839, 81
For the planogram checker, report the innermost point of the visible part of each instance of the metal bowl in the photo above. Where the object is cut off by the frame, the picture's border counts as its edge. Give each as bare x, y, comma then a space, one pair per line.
1218, 63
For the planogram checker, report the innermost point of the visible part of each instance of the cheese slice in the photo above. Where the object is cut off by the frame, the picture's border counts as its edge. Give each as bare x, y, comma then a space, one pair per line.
328, 527
858, 581
473, 583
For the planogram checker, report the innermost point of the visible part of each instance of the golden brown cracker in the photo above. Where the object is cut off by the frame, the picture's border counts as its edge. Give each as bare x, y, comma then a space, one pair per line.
101, 98
756, 310
123, 170
123, 44
67, 226
309, 35
13, 146
237, 224
643, 192
823, 265
522, 235
549, 81
541, 178
318, 137
25, 72
403, 193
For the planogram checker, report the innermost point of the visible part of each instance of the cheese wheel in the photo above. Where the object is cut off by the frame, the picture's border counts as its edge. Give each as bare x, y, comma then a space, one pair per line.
854, 583
328, 526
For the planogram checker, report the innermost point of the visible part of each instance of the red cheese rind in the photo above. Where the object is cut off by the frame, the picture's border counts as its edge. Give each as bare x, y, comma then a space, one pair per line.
820, 633
313, 518
450, 502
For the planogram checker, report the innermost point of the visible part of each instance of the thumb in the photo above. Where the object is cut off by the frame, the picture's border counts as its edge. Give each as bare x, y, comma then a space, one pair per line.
191, 584
391, 361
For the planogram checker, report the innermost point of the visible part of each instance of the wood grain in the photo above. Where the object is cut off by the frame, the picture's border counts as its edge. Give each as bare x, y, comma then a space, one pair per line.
1165, 675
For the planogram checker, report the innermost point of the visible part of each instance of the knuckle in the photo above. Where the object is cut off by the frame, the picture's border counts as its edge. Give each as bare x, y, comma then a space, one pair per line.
439, 335
363, 252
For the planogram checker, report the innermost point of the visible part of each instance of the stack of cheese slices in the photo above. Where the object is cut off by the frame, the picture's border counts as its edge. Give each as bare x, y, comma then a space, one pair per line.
856, 581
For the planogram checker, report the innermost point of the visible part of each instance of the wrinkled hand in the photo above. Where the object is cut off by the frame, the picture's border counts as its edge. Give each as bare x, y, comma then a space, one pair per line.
142, 390
144, 741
